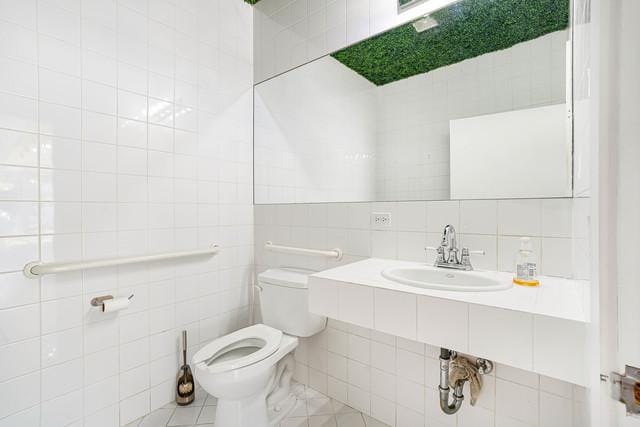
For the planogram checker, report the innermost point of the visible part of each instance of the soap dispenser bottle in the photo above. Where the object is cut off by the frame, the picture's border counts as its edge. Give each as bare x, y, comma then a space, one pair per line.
526, 265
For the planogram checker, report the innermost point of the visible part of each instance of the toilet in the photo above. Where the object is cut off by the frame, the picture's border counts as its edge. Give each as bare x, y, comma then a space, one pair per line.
250, 370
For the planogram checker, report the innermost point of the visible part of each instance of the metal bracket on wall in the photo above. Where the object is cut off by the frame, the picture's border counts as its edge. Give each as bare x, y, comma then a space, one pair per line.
626, 389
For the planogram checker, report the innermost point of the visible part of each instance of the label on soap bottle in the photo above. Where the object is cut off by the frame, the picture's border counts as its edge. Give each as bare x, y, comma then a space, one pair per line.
526, 274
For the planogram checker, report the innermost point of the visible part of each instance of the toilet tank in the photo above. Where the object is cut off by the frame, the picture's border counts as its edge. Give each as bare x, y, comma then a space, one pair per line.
284, 302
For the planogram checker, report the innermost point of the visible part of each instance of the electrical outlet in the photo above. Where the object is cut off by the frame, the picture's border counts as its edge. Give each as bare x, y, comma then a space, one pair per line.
381, 219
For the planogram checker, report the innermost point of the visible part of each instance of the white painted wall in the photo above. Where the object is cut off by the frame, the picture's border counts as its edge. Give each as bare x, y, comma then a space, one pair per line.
617, 65
627, 129
315, 135
125, 128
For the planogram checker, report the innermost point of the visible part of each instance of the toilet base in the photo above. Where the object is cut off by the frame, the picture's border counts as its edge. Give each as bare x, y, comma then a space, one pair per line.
253, 412
267, 382
284, 408
249, 412
280, 400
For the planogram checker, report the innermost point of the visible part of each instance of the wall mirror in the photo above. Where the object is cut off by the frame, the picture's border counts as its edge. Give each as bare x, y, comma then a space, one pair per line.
472, 101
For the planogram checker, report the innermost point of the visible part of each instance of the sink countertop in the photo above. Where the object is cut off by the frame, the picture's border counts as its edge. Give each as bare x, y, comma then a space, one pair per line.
555, 297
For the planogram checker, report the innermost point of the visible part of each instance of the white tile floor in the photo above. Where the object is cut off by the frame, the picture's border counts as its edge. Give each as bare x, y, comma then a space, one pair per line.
312, 410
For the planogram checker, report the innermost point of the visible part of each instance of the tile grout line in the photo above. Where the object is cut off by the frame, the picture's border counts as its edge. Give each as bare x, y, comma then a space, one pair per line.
39, 196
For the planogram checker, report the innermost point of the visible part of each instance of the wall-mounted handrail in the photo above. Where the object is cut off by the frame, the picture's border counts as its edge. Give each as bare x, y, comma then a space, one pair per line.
332, 253
37, 268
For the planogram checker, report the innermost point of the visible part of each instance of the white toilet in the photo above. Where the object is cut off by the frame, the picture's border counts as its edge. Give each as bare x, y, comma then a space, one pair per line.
250, 370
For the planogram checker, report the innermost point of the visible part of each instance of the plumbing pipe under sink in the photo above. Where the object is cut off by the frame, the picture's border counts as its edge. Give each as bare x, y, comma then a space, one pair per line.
447, 407
451, 407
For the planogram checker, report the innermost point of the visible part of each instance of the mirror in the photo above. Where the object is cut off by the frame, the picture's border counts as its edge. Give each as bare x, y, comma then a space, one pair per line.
472, 101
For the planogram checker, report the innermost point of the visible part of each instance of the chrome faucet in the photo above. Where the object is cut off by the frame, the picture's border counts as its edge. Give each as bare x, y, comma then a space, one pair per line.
448, 253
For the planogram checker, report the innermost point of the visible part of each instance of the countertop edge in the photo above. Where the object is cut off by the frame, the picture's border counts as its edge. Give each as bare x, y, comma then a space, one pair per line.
380, 283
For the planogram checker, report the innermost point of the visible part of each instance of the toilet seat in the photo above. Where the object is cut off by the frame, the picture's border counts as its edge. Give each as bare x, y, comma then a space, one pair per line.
264, 339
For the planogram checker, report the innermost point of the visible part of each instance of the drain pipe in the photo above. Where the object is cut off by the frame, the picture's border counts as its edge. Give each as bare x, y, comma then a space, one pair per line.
458, 397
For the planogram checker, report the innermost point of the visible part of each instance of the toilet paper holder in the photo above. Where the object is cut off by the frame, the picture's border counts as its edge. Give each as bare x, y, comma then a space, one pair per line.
98, 301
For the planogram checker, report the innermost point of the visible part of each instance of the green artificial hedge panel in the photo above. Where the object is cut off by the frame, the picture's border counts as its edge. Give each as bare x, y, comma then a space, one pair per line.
465, 30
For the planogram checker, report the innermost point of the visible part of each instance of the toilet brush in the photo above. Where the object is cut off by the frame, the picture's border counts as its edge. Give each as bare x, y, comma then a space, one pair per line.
185, 389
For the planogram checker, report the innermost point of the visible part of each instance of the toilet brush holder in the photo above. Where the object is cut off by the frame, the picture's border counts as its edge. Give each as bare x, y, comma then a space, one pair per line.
185, 386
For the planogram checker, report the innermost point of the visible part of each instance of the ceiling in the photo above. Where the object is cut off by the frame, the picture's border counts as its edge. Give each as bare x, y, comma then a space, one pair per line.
466, 29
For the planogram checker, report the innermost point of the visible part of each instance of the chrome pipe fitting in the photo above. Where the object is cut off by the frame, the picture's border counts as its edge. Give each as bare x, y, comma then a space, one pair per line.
447, 407
484, 366
450, 403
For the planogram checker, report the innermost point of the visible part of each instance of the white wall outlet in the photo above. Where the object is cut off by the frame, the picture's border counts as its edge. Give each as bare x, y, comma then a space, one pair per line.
381, 219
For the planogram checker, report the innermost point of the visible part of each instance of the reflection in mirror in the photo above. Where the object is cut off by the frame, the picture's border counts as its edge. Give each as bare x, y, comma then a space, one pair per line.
468, 102
403, 5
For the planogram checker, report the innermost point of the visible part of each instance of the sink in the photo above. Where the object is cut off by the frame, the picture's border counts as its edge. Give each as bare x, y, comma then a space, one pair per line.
445, 280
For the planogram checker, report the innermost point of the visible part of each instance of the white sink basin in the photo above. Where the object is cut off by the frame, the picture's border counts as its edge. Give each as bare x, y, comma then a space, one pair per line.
444, 279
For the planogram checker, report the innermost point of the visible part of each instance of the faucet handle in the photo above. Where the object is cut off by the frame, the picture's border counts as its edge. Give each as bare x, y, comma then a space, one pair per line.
439, 250
466, 252
473, 252
466, 258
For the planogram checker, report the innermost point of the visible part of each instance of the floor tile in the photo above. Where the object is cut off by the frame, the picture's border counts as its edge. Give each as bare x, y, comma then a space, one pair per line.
313, 394
372, 422
313, 409
208, 415
322, 421
211, 401
319, 406
185, 416
353, 419
157, 418
341, 408
200, 398
300, 410
295, 422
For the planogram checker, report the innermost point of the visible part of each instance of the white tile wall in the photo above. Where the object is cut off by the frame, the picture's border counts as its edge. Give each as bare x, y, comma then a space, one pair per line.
315, 135
125, 127
395, 380
412, 138
324, 133
555, 227
84, 84
289, 33
509, 337
582, 97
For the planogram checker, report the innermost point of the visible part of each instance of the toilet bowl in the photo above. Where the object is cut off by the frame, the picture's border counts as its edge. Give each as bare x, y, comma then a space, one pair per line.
250, 370
238, 369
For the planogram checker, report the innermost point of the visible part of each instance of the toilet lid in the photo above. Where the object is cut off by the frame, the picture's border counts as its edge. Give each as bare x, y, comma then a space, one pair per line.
238, 349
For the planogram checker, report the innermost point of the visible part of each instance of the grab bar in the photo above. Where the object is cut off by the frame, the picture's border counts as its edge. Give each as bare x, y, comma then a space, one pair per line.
36, 269
333, 253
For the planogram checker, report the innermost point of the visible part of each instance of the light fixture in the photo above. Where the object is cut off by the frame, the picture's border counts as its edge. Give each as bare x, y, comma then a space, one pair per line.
414, 9
425, 23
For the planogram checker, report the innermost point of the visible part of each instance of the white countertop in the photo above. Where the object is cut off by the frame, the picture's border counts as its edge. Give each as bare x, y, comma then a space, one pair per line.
555, 297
